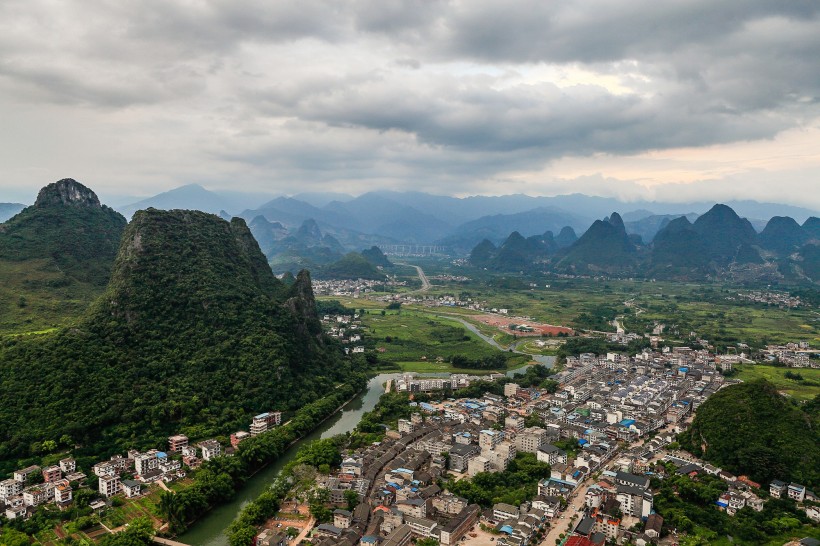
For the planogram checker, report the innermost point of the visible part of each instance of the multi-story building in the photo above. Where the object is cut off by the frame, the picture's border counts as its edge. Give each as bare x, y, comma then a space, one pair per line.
458, 526
477, 465
68, 465
406, 426
52, 473
177, 442
109, 485
530, 439
22, 475
210, 449
460, 455
145, 462
38, 494
265, 421
551, 454
63, 493
488, 439
10, 488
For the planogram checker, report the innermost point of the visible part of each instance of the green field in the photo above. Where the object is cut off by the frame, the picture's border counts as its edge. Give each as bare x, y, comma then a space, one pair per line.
412, 336
712, 311
806, 389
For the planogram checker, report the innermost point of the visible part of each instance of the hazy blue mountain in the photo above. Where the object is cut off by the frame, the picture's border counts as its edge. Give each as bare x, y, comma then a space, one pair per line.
566, 237
7, 210
647, 227
194, 197
377, 212
783, 235
812, 228
604, 248
320, 199
498, 227
375, 256
724, 231
483, 253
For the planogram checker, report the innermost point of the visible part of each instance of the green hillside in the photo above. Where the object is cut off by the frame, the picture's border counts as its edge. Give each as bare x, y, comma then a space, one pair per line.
56, 257
751, 429
193, 334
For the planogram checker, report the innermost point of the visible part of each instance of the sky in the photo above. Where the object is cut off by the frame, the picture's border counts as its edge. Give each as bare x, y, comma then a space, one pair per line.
679, 100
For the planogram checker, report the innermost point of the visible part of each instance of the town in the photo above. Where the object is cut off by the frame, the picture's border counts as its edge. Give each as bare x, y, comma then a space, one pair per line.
607, 426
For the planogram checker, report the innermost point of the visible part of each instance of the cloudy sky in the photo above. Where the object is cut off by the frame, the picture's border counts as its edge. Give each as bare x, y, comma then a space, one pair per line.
674, 100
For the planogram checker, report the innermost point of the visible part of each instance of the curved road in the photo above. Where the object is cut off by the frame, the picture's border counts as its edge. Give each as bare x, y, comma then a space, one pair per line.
425, 282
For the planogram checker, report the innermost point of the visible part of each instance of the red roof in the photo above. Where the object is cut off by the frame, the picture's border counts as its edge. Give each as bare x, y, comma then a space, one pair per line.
579, 541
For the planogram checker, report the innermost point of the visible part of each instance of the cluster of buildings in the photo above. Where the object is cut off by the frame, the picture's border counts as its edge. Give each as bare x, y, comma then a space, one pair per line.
794, 355
351, 288
780, 299
128, 475
33, 486
411, 382
399, 501
603, 403
345, 328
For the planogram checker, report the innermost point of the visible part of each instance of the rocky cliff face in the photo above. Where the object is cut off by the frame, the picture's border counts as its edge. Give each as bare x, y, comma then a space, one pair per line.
67, 192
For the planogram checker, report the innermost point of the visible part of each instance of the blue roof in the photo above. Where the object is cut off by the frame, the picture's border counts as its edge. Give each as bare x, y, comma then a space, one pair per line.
683, 369
582, 441
162, 455
723, 504
627, 422
506, 529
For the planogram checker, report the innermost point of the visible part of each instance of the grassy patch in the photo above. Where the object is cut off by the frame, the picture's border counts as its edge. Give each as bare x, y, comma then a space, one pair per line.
411, 336
802, 390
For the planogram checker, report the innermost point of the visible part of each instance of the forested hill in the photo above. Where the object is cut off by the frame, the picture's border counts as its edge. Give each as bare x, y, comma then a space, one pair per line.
68, 227
193, 334
751, 429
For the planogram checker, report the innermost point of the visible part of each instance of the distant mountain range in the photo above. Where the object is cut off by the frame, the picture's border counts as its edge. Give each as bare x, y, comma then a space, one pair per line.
718, 244
389, 217
7, 210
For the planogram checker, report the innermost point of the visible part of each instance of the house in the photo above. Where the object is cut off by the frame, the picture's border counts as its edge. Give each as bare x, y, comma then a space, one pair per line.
63, 493
342, 519
551, 454
797, 492
458, 526
210, 449
52, 473
68, 465
503, 511
38, 494
777, 488
654, 524
270, 537
177, 442
10, 488
238, 436
460, 455
22, 475
131, 488
328, 530
265, 421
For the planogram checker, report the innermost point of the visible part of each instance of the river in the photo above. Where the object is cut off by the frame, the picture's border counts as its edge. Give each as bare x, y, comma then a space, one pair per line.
210, 529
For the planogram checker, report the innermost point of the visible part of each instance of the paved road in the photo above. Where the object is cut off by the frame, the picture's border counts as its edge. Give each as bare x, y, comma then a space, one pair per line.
425, 283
